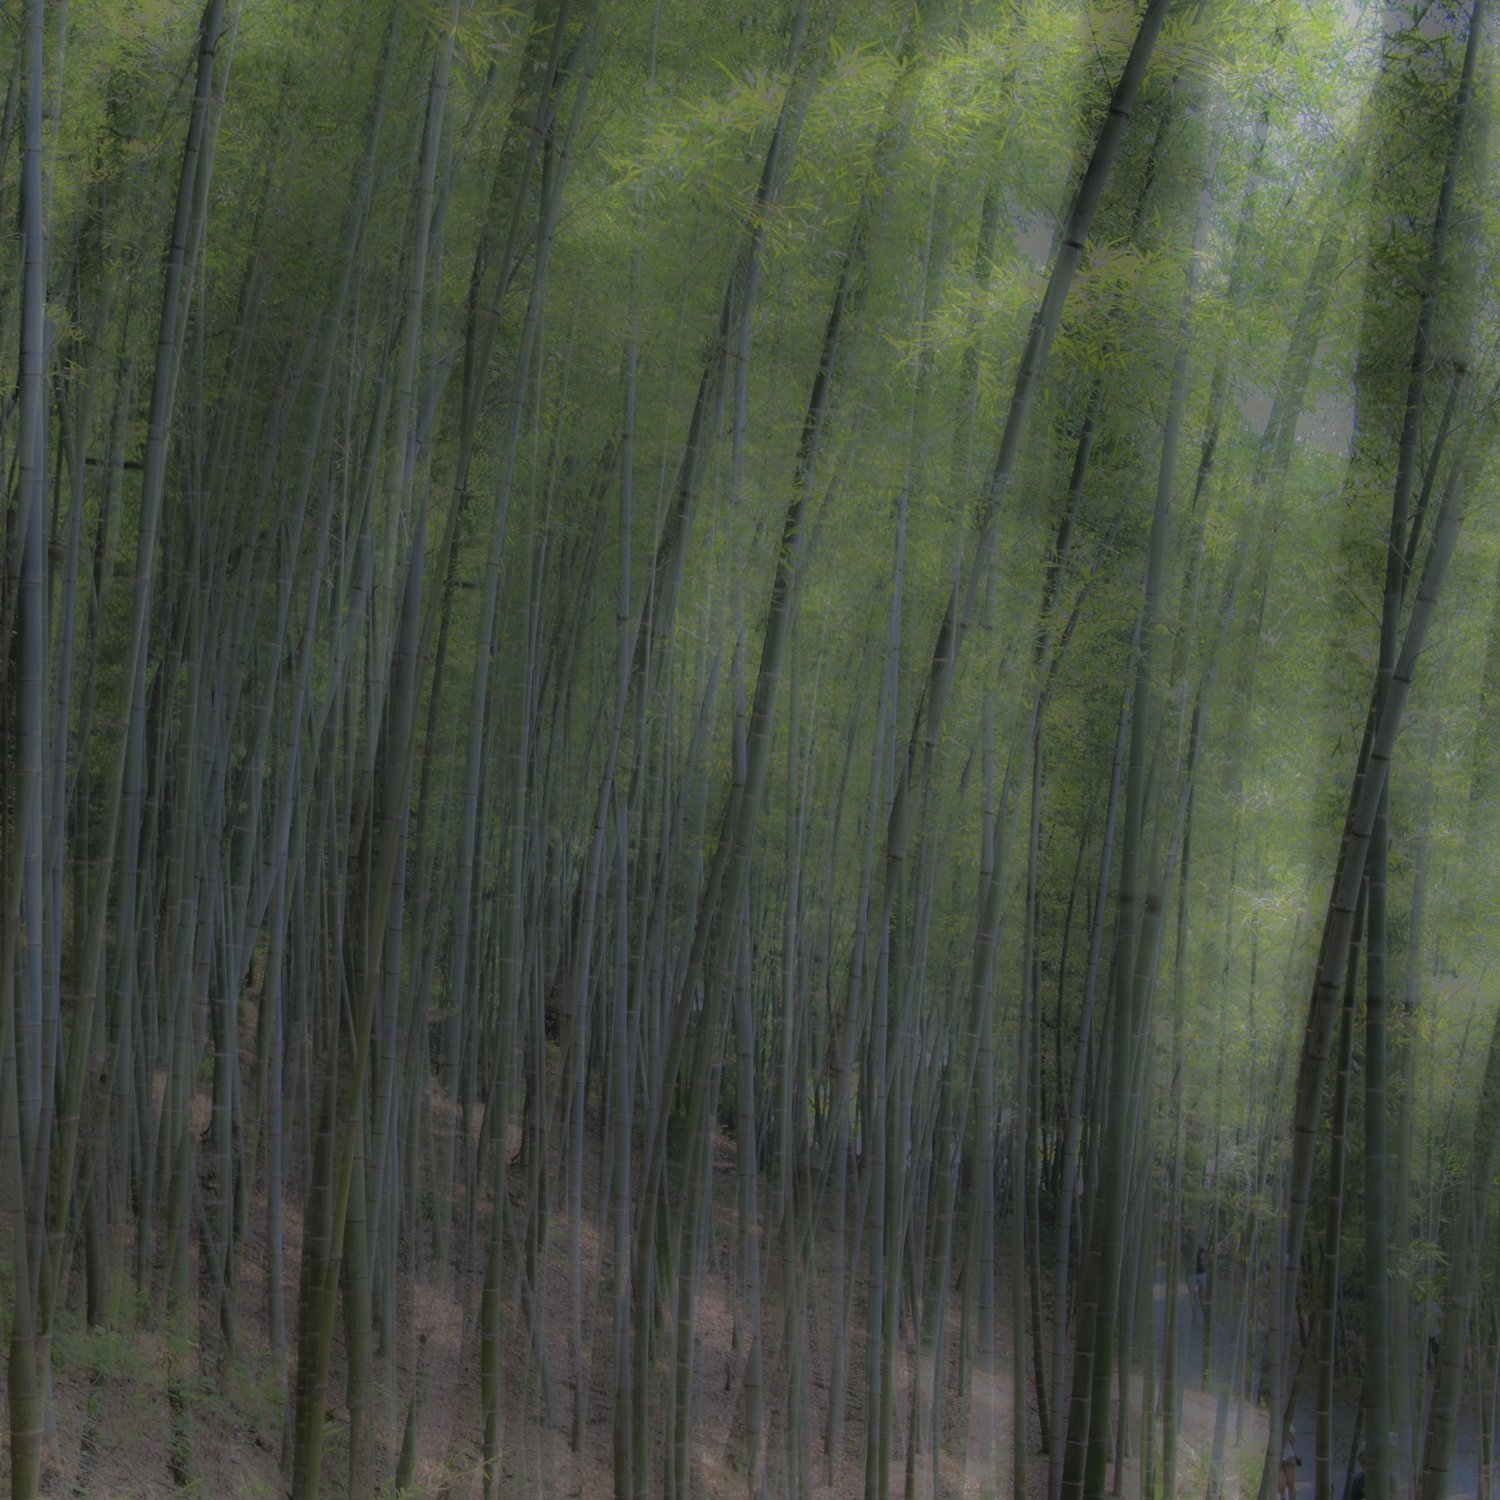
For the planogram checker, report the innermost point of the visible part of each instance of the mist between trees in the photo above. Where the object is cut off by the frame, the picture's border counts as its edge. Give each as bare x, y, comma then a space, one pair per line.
750, 748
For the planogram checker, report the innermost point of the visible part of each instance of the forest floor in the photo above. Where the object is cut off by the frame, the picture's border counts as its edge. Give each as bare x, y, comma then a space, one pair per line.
114, 1431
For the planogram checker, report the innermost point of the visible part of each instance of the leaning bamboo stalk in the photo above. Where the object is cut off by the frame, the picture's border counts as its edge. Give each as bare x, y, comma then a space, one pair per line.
1136, 933
1387, 705
557, 160
26, 1019
316, 1316
24, 1389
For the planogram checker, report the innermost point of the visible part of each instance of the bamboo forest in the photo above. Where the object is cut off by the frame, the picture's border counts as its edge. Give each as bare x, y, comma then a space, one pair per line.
750, 748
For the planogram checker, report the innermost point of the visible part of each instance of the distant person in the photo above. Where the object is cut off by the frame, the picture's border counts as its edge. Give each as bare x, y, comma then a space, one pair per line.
1200, 1284
1291, 1461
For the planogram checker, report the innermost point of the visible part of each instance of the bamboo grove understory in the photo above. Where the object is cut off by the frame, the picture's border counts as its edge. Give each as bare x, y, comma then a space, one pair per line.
750, 747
